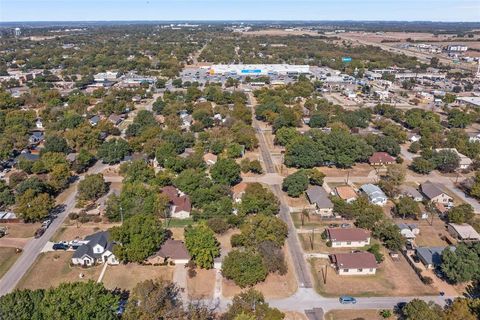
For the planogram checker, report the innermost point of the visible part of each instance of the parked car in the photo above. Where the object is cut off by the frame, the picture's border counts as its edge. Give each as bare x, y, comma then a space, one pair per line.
39, 232
46, 223
347, 300
60, 246
399, 307
345, 225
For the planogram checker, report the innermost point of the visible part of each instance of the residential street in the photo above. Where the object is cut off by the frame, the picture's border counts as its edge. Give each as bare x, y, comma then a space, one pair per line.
33, 248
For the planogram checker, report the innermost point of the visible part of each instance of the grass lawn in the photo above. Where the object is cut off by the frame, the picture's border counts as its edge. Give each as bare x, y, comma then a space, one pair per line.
353, 314
309, 222
202, 285
176, 223
7, 259
393, 278
126, 276
53, 268
20, 230
275, 286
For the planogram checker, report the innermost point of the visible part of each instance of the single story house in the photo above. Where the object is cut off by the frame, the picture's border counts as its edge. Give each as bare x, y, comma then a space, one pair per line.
346, 193
94, 120
210, 159
380, 159
36, 137
115, 119
98, 249
463, 232
431, 257
171, 250
319, 197
374, 194
355, 263
408, 231
435, 193
474, 137
465, 162
238, 191
348, 237
27, 156
180, 205
408, 191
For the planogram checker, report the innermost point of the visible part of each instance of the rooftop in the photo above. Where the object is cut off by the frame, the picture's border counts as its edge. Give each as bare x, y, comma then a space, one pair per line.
348, 234
355, 260
319, 196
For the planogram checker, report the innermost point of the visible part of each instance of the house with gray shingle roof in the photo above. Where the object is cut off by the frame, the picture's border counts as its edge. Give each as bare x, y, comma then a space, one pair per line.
98, 249
374, 194
435, 193
319, 197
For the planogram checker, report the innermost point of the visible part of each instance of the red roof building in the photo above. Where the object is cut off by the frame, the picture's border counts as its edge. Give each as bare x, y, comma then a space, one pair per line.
381, 158
355, 263
180, 205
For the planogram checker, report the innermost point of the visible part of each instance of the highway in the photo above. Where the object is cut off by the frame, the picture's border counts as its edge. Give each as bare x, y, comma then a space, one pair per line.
33, 248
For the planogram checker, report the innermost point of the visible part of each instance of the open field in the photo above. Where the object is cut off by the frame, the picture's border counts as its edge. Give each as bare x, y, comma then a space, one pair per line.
393, 278
53, 268
20, 230
275, 286
358, 170
7, 259
202, 285
280, 32
353, 315
290, 315
126, 276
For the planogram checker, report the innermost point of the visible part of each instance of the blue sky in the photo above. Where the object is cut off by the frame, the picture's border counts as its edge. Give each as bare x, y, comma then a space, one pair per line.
83, 10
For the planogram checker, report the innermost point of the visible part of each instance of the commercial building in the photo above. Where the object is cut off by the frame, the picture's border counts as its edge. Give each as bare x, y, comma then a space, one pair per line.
258, 69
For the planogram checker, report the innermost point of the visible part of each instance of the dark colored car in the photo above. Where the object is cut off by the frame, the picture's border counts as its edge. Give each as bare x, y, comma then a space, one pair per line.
60, 246
39, 232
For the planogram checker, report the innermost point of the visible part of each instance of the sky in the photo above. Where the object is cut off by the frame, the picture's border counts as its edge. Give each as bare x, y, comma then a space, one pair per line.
107, 10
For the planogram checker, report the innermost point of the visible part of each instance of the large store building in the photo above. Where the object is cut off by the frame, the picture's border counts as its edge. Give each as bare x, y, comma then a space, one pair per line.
258, 69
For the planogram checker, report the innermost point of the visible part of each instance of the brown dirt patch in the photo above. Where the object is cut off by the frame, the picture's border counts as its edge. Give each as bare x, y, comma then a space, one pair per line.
352, 314
177, 233
393, 278
126, 276
358, 170
274, 287
202, 285
224, 240
20, 230
13, 242
53, 268
70, 231
8, 256
290, 315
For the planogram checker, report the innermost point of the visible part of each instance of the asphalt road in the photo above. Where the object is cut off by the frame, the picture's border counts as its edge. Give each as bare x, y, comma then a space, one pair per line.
300, 265
33, 248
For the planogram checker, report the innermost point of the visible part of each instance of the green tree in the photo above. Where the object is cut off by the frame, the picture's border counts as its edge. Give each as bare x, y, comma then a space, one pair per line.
261, 228
421, 165
244, 268
251, 303
137, 171
113, 151
92, 187
226, 171
463, 264
296, 183
202, 245
446, 160
462, 213
139, 237
407, 207
420, 310
33, 207
316, 177
59, 176
258, 200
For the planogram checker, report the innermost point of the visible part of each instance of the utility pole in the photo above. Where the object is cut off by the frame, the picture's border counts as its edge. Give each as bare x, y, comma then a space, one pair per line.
312, 238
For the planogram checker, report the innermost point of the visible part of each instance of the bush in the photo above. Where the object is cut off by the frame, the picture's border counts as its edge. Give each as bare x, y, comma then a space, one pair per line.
219, 226
296, 183
426, 280
236, 240
73, 215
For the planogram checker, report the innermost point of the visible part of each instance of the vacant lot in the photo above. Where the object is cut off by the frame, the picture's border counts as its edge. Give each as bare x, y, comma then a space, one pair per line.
8, 256
53, 268
290, 315
202, 285
353, 314
431, 235
126, 276
393, 278
20, 230
275, 286
358, 170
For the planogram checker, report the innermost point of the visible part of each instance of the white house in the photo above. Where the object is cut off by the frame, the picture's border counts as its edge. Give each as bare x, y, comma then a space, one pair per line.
374, 194
355, 263
408, 231
434, 192
348, 237
98, 249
